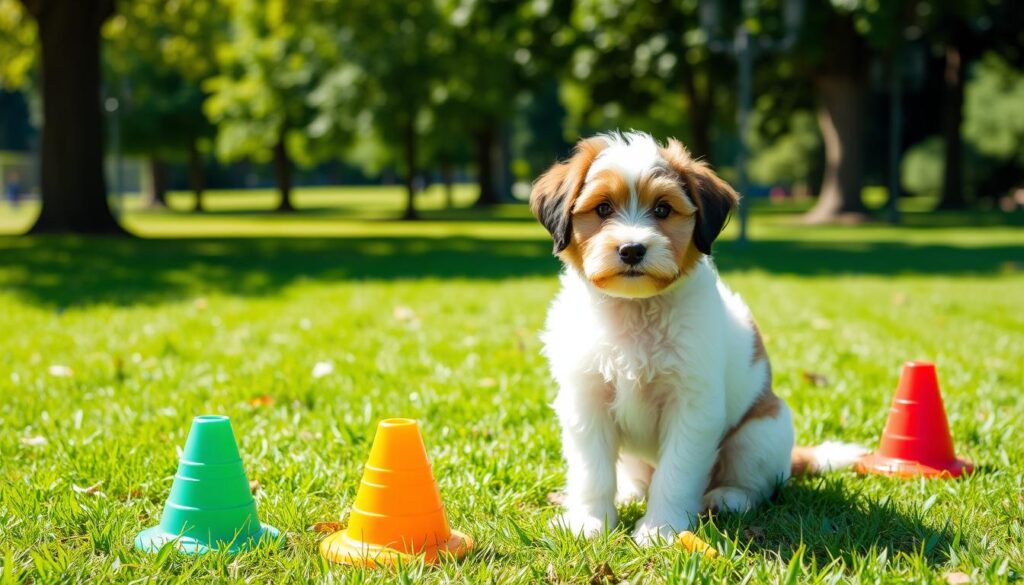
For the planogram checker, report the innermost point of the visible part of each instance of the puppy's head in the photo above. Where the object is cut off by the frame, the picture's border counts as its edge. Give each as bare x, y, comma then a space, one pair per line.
630, 215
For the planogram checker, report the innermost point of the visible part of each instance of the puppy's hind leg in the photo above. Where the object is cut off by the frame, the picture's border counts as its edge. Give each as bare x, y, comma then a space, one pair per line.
752, 462
633, 479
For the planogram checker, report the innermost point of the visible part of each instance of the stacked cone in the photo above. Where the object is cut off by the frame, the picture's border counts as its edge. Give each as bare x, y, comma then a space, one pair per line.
916, 440
398, 514
210, 506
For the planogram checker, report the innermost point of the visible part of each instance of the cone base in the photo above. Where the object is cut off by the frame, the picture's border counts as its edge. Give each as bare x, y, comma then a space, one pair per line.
339, 548
152, 539
903, 468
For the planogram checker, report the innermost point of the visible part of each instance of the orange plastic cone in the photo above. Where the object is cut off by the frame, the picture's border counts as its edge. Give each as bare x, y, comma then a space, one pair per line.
916, 440
398, 513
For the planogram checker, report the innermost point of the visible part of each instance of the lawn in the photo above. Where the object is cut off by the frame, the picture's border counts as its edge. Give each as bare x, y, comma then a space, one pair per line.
110, 347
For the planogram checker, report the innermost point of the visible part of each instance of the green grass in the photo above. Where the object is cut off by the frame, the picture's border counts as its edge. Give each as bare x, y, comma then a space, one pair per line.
438, 320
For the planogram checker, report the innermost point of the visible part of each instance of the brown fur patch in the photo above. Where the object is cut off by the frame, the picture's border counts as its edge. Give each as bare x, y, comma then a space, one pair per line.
714, 198
766, 405
658, 185
802, 461
665, 186
606, 186
554, 193
760, 352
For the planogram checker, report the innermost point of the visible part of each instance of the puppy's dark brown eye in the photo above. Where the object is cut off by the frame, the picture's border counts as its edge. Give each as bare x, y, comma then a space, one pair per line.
662, 210
604, 210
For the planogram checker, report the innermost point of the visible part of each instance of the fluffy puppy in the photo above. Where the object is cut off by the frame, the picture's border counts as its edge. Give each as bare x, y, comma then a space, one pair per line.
664, 384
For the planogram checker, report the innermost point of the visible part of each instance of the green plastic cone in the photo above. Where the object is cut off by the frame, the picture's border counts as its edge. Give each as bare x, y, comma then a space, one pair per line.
210, 506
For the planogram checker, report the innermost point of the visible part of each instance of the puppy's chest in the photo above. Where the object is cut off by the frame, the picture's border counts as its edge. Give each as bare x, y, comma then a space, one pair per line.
642, 364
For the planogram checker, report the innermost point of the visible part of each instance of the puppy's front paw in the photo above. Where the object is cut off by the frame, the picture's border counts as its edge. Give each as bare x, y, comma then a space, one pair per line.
629, 493
728, 499
584, 522
653, 532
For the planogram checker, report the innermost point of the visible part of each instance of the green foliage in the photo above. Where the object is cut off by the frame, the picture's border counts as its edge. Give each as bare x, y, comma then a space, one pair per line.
277, 55
994, 110
154, 63
637, 64
922, 166
17, 45
788, 154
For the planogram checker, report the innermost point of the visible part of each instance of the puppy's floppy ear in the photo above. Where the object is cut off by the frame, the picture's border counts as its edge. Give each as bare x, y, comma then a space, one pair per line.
555, 192
715, 199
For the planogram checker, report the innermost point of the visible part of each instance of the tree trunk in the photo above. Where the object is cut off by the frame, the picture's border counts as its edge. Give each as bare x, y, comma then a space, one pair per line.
447, 179
485, 140
156, 188
283, 173
196, 175
701, 112
410, 171
841, 118
74, 191
841, 94
952, 118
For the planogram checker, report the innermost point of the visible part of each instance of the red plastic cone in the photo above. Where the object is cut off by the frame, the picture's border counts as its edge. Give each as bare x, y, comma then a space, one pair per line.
916, 440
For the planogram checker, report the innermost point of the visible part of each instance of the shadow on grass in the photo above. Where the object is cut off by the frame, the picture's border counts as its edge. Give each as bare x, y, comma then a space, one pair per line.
832, 522
506, 213
68, 271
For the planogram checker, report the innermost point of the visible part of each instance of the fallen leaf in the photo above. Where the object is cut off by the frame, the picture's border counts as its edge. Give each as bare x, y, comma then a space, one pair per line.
254, 486
263, 400
957, 578
322, 369
488, 382
821, 324
61, 371
93, 490
327, 527
603, 574
200, 303
36, 441
694, 544
753, 532
402, 313
814, 378
552, 576
556, 498
899, 298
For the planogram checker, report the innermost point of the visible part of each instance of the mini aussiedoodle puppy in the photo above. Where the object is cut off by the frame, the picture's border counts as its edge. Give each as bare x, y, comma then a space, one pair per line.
664, 385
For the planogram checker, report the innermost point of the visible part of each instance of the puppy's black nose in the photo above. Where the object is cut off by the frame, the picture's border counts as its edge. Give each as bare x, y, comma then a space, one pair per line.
632, 253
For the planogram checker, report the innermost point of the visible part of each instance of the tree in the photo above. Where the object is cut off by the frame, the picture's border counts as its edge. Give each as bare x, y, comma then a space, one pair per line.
646, 64
963, 31
160, 53
74, 191
840, 80
277, 54
399, 45
498, 53
994, 121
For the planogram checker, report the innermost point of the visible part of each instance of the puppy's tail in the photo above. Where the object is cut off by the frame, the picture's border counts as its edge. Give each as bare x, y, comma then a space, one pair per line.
828, 456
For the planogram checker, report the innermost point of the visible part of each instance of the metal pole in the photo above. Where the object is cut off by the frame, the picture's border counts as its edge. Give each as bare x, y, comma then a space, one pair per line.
895, 128
745, 58
111, 105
